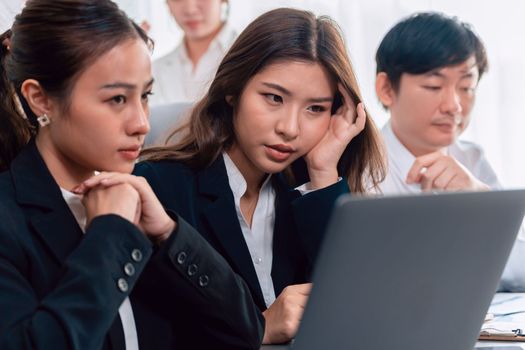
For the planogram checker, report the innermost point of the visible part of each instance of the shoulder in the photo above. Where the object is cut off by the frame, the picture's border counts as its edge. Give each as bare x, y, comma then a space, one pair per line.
173, 182
166, 176
467, 149
162, 169
165, 60
12, 218
7, 193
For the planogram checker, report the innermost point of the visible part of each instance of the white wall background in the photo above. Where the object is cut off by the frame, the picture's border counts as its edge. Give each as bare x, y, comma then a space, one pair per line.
498, 118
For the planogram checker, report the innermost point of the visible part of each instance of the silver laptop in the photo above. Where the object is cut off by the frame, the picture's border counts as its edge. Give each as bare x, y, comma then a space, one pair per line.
411, 272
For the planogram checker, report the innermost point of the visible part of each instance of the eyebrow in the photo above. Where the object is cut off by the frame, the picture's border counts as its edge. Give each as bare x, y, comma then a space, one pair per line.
466, 73
287, 92
127, 86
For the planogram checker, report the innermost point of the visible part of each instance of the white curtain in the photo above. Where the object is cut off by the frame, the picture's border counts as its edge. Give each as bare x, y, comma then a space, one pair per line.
8, 10
497, 119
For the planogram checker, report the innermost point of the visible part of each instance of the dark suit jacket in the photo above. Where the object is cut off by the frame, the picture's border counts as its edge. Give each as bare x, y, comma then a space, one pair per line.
205, 200
61, 289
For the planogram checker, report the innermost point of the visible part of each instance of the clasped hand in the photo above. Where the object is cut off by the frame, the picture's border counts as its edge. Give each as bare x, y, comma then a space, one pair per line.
128, 196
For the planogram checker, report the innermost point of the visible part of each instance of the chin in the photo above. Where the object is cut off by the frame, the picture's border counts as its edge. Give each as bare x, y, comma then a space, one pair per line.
442, 142
443, 139
271, 167
124, 168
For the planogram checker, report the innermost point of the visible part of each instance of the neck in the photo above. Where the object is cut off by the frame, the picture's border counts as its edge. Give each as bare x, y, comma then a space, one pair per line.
67, 173
197, 47
254, 177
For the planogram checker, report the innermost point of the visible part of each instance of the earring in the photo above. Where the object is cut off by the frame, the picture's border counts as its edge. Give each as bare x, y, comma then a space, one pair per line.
43, 120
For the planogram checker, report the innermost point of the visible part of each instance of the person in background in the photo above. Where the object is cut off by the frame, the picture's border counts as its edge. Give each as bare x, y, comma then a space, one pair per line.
108, 269
184, 74
428, 69
285, 91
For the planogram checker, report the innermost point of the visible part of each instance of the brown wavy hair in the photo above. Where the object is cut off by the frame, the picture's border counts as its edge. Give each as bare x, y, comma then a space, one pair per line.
276, 36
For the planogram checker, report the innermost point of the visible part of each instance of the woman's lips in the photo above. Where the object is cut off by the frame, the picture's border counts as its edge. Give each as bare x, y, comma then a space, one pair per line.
130, 153
279, 153
192, 24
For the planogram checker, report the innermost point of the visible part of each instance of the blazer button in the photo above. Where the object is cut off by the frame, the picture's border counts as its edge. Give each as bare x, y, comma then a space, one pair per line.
122, 285
192, 269
136, 255
204, 280
181, 258
129, 269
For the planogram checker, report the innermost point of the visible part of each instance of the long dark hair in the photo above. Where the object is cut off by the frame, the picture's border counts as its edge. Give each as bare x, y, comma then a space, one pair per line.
279, 35
53, 41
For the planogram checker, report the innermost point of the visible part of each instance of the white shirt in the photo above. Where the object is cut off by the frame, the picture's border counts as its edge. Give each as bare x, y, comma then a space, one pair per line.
258, 237
400, 160
125, 311
470, 155
176, 80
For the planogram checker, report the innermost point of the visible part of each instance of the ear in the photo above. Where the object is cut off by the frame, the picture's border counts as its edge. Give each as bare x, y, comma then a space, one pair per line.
229, 100
384, 89
36, 97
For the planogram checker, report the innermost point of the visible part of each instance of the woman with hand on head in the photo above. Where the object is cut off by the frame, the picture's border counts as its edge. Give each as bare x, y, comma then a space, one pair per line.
87, 272
184, 74
284, 92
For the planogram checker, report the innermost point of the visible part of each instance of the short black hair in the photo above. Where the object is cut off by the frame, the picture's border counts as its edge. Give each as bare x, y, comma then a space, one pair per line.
426, 41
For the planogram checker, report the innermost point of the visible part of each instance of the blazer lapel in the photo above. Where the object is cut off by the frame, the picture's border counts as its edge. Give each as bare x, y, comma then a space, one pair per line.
220, 214
50, 216
48, 213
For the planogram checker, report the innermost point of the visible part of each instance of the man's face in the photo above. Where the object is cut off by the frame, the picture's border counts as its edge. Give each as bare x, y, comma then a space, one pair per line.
429, 111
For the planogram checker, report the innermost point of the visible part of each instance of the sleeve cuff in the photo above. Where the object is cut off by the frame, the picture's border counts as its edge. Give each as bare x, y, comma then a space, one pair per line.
305, 188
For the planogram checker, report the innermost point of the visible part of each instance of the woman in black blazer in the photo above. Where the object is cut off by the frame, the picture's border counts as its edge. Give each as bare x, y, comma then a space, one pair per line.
284, 92
110, 269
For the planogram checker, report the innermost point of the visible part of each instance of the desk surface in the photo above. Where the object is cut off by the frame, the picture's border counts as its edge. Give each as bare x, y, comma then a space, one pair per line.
507, 307
479, 345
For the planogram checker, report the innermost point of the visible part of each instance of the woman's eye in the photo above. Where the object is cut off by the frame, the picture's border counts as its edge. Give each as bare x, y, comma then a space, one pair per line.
145, 96
274, 99
119, 99
467, 89
317, 109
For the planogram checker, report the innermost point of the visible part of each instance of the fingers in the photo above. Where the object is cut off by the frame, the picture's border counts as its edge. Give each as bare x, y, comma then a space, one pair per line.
302, 289
295, 297
416, 171
94, 181
122, 200
355, 116
284, 315
108, 179
437, 171
445, 179
432, 173
360, 121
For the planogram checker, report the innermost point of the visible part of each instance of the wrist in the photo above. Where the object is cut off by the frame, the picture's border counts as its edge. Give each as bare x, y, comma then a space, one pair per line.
267, 337
322, 178
167, 232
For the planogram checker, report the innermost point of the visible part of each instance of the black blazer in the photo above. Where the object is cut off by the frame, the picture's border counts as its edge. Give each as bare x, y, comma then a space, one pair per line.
61, 289
205, 200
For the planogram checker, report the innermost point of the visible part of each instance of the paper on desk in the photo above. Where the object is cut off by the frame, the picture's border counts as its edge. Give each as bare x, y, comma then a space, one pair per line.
506, 313
501, 328
508, 303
